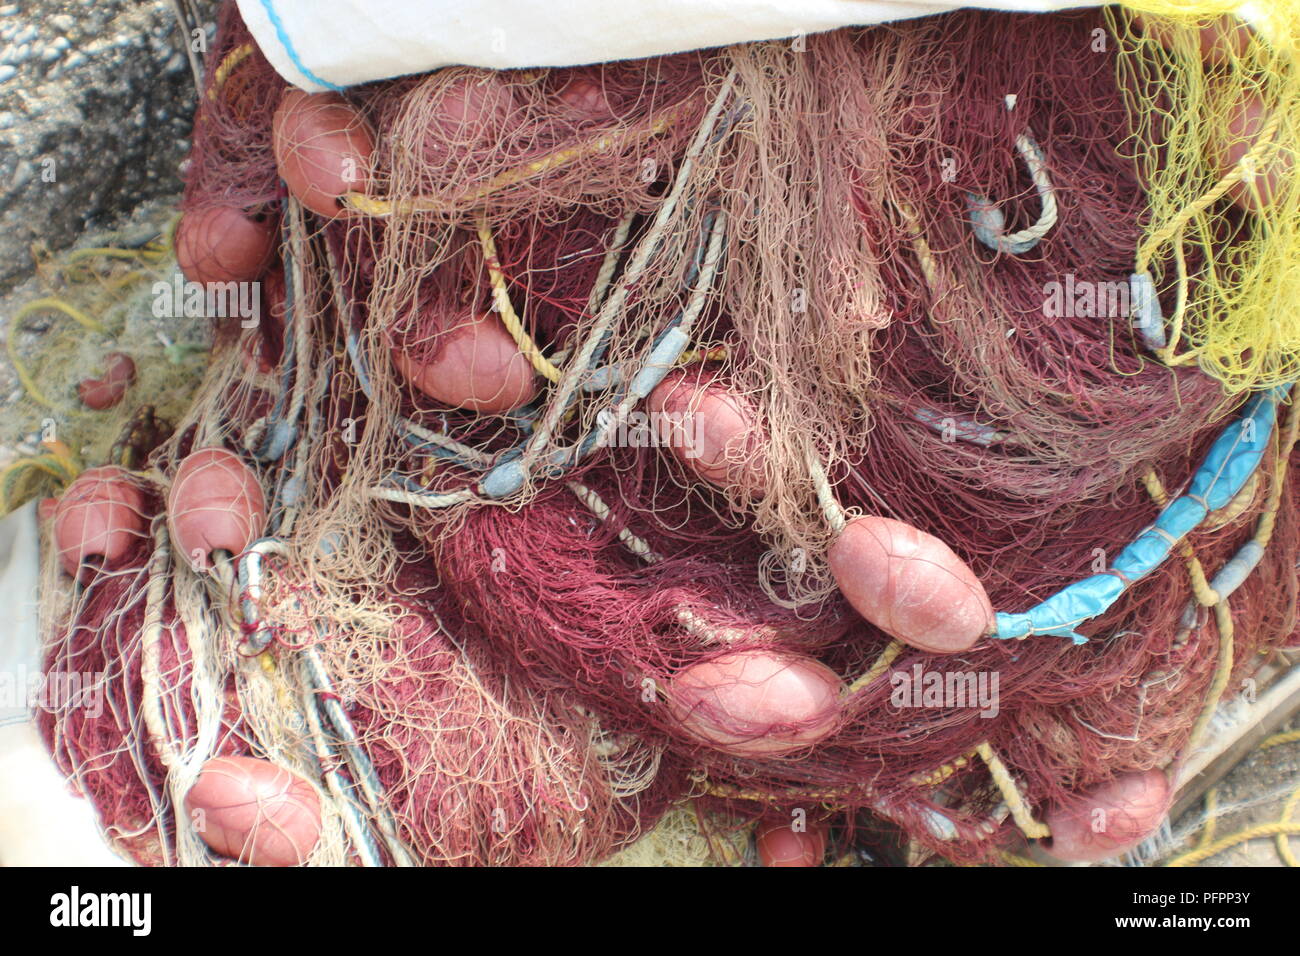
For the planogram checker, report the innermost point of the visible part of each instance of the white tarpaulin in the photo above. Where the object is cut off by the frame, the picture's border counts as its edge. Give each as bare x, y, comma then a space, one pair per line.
41, 822
324, 44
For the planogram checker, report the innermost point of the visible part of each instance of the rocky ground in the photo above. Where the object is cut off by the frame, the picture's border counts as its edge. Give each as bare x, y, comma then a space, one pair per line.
96, 103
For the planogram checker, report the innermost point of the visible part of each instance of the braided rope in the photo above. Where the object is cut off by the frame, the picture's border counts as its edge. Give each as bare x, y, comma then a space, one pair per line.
1030, 827
887, 657
691, 622
606, 142
1205, 595
509, 318
1211, 818
419, 499
1264, 527
227, 66
1283, 844
1263, 144
1286, 737
835, 514
1281, 828
987, 220
937, 776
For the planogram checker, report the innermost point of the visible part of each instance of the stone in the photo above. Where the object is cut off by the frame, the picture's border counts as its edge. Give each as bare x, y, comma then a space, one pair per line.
95, 116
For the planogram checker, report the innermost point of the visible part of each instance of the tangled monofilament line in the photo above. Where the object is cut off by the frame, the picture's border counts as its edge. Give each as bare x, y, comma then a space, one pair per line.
466, 625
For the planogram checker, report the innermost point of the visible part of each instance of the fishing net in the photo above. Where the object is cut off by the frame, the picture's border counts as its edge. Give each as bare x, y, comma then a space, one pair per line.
569, 384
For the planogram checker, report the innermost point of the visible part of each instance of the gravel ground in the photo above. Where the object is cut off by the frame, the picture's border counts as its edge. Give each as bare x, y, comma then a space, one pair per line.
1252, 794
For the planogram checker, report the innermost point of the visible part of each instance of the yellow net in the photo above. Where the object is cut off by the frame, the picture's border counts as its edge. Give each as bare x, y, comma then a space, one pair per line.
1216, 114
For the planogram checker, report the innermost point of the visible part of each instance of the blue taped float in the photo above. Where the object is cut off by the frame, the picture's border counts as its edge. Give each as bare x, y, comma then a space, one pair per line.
1231, 461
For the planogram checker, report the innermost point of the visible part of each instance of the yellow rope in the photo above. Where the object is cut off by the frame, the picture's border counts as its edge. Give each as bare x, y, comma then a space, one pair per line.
1222, 672
1205, 595
1283, 844
1287, 441
887, 657
1222, 611
232, 60
1264, 528
24, 376
120, 282
938, 776
373, 206
1166, 353
1286, 737
1205, 848
924, 255
1211, 807
111, 252
1251, 160
17, 487
58, 305
11, 344
1030, 827
715, 353
1010, 859
1253, 833
514, 325
729, 792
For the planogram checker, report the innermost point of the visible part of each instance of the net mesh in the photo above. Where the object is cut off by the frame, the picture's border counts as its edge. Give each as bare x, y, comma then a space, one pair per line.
901, 255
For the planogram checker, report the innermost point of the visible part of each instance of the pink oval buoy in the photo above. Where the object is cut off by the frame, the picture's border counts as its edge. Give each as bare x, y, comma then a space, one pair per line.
215, 504
110, 388
471, 111
323, 149
224, 244
477, 367
1110, 819
585, 97
780, 844
710, 429
910, 585
255, 812
98, 520
757, 702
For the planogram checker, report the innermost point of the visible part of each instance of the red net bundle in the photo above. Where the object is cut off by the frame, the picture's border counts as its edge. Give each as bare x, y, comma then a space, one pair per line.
671, 430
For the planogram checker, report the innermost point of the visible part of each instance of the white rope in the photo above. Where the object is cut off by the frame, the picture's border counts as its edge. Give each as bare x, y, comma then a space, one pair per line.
835, 514
988, 221
577, 368
691, 622
418, 499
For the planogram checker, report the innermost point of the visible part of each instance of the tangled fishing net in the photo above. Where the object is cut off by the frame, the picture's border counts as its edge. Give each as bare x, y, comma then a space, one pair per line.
640, 444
